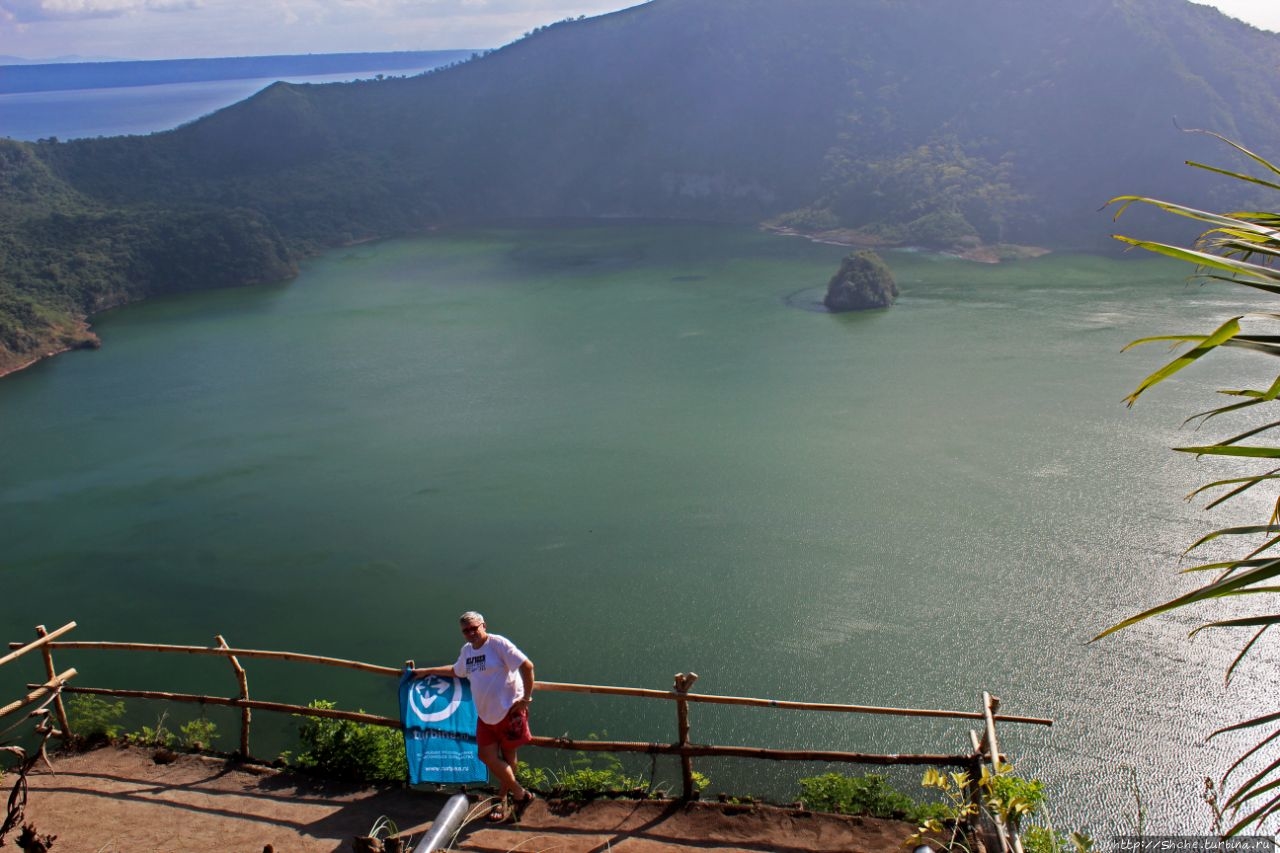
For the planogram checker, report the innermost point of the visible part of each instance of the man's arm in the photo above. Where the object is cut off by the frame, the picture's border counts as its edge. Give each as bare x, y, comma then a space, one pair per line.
445, 671
526, 676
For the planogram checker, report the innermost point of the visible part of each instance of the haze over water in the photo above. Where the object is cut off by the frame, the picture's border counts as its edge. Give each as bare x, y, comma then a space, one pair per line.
636, 452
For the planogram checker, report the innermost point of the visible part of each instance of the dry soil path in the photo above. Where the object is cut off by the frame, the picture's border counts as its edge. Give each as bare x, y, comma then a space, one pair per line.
113, 800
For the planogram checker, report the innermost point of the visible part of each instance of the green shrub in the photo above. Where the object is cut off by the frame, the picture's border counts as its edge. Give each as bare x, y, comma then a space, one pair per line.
592, 775
198, 734
601, 774
1042, 839
531, 777
94, 717
809, 219
159, 736
1003, 797
862, 795
942, 228
1011, 798
342, 749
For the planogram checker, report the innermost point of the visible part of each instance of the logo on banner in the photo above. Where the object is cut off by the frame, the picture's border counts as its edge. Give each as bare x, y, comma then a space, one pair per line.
438, 700
439, 720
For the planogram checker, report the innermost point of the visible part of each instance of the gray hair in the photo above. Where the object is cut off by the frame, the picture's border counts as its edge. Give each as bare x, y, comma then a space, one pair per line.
470, 616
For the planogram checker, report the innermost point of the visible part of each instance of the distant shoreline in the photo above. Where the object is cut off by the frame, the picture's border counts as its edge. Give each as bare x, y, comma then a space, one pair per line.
64, 76
82, 337
983, 253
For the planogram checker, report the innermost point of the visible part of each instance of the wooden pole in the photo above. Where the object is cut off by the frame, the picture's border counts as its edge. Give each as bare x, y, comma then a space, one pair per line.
242, 653
551, 685
41, 690
704, 750
281, 707
58, 707
990, 704
46, 640
711, 698
246, 714
683, 681
974, 788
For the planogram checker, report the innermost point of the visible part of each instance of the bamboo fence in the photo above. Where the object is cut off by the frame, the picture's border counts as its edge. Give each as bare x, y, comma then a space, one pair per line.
985, 746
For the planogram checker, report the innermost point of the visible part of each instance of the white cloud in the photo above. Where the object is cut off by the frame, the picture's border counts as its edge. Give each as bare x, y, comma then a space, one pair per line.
136, 29
1261, 13
27, 11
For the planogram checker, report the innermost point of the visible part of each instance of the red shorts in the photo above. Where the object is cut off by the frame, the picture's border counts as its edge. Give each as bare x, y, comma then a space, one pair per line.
511, 733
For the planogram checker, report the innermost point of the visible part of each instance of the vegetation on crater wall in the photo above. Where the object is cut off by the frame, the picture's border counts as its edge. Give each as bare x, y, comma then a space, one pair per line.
818, 111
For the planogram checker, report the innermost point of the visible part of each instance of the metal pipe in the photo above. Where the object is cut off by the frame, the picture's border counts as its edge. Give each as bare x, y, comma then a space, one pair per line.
445, 825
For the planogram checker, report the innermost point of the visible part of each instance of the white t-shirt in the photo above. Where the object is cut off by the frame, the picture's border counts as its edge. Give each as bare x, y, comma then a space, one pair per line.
494, 670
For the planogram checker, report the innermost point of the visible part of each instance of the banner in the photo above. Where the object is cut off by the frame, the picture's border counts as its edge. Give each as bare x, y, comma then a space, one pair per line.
439, 721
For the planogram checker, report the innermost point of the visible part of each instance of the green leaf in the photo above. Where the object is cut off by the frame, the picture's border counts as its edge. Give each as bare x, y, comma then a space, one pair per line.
1245, 622
1261, 161
1259, 815
1243, 757
1248, 434
1218, 589
1225, 223
1237, 175
1234, 531
1223, 333
1207, 260
1250, 790
1245, 452
1205, 417
1248, 483
1226, 680
1230, 565
1247, 724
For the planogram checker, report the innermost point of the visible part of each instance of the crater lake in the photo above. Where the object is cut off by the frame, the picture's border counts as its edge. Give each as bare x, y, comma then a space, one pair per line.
639, 450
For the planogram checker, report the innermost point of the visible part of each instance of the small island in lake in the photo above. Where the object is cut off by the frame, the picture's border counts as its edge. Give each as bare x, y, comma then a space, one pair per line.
863, 281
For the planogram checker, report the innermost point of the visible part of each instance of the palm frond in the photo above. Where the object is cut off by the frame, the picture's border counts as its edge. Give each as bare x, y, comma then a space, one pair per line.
1207, 343
1242, 248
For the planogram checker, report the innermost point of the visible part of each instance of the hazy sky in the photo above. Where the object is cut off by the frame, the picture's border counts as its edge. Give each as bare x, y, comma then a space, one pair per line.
153, 29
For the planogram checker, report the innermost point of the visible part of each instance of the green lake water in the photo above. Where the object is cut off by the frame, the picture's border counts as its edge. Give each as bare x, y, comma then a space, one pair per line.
638, 453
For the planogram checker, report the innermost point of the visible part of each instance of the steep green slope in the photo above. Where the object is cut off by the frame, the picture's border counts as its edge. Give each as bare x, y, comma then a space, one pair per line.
919, 120
64, 257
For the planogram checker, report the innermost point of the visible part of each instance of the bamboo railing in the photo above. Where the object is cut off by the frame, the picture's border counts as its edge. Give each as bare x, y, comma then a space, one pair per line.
54, 686
985, 748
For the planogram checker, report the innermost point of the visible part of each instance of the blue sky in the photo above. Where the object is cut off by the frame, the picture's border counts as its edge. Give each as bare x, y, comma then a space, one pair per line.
156, 29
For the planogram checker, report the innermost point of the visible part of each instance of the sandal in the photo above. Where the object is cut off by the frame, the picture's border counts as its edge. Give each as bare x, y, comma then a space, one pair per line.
498, 814
523, 803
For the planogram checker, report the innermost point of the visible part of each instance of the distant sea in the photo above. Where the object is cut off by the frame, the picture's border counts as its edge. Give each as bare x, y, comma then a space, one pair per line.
71, 100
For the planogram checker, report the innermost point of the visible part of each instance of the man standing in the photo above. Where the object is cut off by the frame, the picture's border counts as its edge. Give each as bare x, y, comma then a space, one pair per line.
502, 687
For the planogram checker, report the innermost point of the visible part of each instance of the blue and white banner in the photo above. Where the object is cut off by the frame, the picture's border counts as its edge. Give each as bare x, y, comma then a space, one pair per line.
439, 721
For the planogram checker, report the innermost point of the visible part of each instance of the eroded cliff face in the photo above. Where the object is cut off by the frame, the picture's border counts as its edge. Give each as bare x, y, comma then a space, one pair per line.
863, 281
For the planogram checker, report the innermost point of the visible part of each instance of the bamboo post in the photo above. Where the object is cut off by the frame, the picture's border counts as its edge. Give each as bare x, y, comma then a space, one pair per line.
683, 681
974, 821
206, 650
246, 713
20, 649
974, 789
991, 704
58, 707
280, 707
38, 692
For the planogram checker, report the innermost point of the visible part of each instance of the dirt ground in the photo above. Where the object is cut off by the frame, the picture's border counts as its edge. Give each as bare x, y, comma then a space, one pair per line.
113, 800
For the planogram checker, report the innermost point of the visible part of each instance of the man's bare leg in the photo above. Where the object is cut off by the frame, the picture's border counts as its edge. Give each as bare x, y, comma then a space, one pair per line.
502, 766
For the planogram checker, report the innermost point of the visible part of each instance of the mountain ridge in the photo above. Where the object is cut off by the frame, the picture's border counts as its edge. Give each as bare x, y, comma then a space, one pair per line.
911, 121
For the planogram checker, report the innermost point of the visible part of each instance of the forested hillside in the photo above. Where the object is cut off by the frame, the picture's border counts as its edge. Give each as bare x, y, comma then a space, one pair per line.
923, 121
